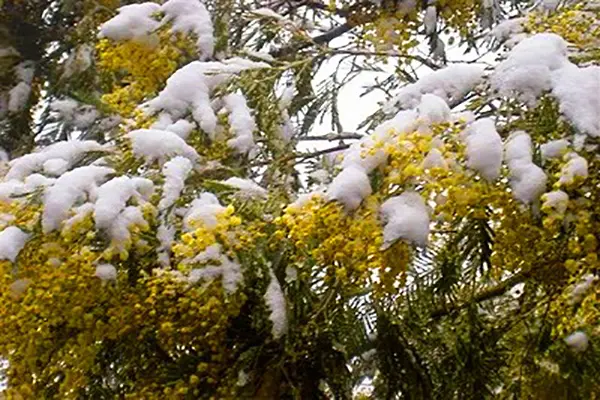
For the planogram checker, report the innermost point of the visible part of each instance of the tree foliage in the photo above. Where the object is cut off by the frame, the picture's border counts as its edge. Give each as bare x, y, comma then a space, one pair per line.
169, 238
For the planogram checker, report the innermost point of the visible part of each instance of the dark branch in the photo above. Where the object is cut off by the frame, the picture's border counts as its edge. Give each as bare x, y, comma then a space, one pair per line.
303, 156
487, 294
331, 137
316, 41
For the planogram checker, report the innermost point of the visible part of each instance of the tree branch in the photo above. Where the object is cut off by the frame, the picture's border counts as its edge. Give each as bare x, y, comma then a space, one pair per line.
324, 7
315, 41
331, 137
306, 156
487, 294
303, 156
365, 53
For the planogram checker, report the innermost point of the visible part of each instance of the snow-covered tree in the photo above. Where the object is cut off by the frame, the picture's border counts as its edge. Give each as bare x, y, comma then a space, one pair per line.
171, 236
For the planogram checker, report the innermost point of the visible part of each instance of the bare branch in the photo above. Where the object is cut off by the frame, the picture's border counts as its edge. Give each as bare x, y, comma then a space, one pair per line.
331, 137
365, 53
303, 156
316, 41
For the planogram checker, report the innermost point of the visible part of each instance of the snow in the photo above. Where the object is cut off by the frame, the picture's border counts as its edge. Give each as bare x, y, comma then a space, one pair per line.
433, 109
242, 123
554, 149
434, 159
527, 72
350, 187
134, 21
229, 270
208, 273
484, 148
106, 272
304, 198
430, 20
508, 28
287, 96
451, 84
55, 166
67, 190
181, 128
137, 22
64, 107
119, 228
111, 211
25, 71
268, 13
246, 187
363, 153
406, 217
232, 274
166, 236
191, 16
80, 213
577, 341
204, 209
580, 290
157, 145
14, 187
70, 151
211, 253
319, 175
189, 89
528, 181
550, 5
576, 166
12, 240
261, 55
175, 171
18, 96
144, 188
539, 64
556, 200
275, 301
6, 219
79, 60
112, 198
85, 116
578, 93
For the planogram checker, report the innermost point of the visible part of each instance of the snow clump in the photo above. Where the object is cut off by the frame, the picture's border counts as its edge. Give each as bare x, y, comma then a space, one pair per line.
407, 218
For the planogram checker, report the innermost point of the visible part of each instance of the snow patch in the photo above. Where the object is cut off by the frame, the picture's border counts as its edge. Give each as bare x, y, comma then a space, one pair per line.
451, 84
484, 148
246, 187
407, 218
156, 145
12, 240
527, 180
275, 301
350, 187
67, 190
191, 16
175, 171
106, 272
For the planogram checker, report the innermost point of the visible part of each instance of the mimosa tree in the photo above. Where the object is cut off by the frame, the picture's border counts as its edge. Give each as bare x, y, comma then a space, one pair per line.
169, 238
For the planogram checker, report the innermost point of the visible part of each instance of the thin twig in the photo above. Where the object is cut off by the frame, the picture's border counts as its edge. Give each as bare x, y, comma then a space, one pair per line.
367, 53
302, 156
331, 137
